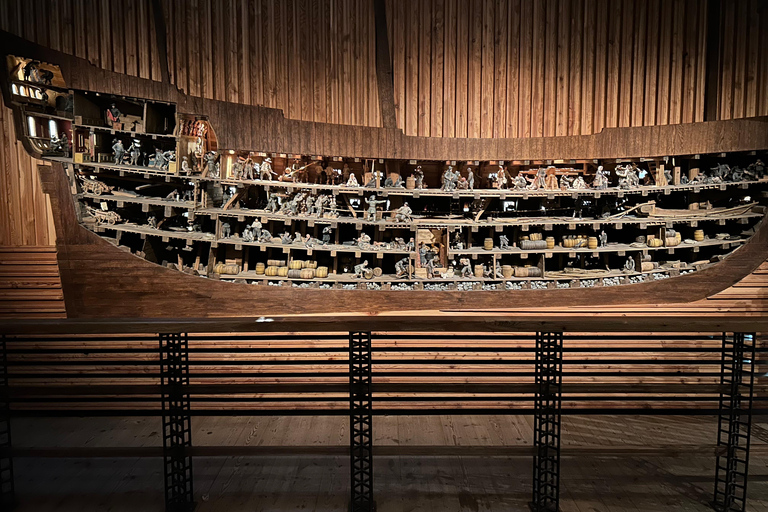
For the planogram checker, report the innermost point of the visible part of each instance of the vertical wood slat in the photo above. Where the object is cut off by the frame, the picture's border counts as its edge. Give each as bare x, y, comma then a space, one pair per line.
513, 70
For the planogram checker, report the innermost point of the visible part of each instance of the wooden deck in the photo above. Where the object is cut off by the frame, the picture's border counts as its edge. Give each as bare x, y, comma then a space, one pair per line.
440, 464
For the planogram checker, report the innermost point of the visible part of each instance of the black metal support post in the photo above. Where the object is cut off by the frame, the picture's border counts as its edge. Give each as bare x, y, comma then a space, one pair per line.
546, 422
177, 434
360, 422
735, 422
7, 490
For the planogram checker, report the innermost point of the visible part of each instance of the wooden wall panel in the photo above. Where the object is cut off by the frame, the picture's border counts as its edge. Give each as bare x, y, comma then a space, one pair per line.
569, 67
25, 211
743, 87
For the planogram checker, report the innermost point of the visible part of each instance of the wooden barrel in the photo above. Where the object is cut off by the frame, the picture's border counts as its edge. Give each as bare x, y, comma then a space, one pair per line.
536, 236
368, 274
259, 269
534, 272
296, 265
655, 242
410, 183
282, 271
568, 242
322, 272
307, 273
507, 271
528, 245
377, 271
231, 269
218, 268
550, 242
698, 235
310, 264
592, 242
271, 270
479, 269
275, 263
647, 266
488, 244
521, 271
672, 241
294, 273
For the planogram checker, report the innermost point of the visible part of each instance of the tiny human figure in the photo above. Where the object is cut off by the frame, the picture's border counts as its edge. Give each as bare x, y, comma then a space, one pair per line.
372, 203
503, 242
265, 236
361, 268
152, 222
470, 178
401, 267
185, 168
113, 116
418, 175
247, 234
410, 245
431, 268
265, 171
364, 241
466, 269
327, 235
118, 150
629, 266
501, 178
225, 230
352, 181
403, 213
603, 239
285, 238
134, 150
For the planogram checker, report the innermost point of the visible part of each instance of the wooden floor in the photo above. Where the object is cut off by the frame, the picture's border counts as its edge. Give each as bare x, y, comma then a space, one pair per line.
444, 463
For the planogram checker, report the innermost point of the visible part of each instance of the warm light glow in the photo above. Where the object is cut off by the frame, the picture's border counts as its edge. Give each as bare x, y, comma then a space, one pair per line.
52, 129
32, 127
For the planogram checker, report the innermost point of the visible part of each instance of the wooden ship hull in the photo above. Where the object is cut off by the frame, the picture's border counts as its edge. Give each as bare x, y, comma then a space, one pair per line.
104, 276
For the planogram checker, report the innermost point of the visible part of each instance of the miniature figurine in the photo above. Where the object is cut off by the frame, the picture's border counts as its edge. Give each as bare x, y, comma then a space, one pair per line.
247, 234
403, 214
161, 159
389, 183
332, 208
466, 269
185, 168
134, 152
320, 205
410, 245
210, 162
31, 71
297, 238
327, 235
579, 183
46, 77
601, 179
285, 238
375, 176
265, 171
113, 116
501, 178
519, 182
431, 268
265, 236
361, 268
450, 179
629, 265
503, 242
418, 177
308, 242
225, 230
152, 222
401, 267
470, 178
364, 241
629, 178
603, 239
352, 181
272, 205
458, 243
372, 203
118, 150
237, 170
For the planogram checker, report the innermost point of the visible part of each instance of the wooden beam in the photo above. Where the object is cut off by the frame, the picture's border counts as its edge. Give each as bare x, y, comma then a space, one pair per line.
712, 70
384, 76
162, 47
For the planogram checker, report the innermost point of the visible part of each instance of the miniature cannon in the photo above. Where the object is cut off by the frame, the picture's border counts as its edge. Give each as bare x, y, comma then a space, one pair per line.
94, 187
104, 216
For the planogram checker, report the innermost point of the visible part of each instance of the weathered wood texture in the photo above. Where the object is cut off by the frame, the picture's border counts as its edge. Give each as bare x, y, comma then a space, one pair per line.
480, 68
508, 68
29, 283
743, 76
25, 214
